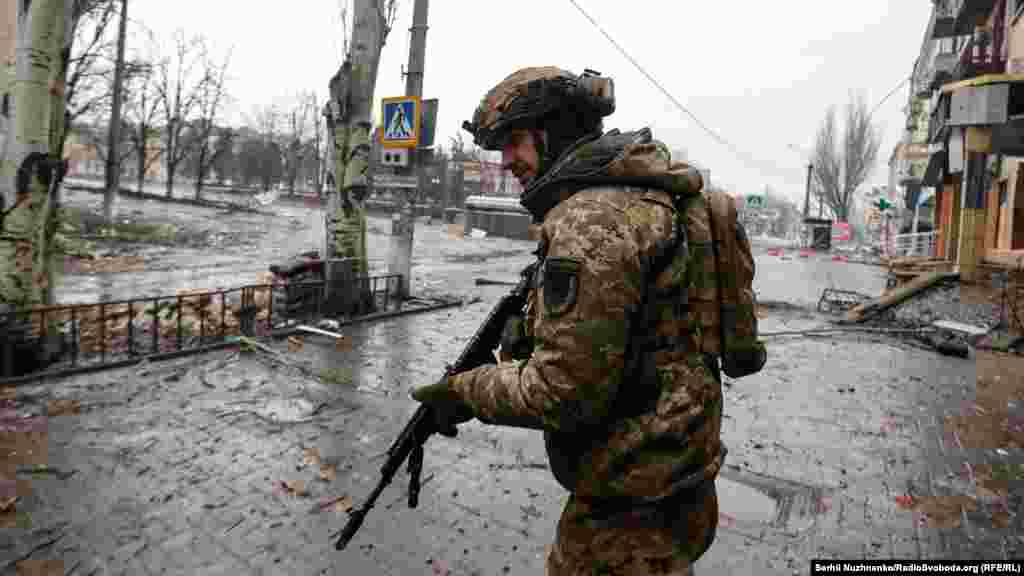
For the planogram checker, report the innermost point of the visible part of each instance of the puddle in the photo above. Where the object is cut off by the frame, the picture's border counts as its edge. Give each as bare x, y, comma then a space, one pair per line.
745, 503
286, 410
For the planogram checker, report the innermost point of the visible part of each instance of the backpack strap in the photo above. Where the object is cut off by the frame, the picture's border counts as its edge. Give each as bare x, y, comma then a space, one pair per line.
716, 214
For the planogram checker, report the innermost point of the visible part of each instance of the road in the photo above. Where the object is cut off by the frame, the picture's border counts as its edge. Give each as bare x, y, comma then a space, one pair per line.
190, 466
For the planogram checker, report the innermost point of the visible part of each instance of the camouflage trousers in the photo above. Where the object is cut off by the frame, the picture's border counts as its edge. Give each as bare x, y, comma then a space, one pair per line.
662, 540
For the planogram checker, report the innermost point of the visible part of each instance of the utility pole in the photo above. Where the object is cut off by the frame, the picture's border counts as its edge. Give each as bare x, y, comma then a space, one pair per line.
114, 131
807, 196
402, 223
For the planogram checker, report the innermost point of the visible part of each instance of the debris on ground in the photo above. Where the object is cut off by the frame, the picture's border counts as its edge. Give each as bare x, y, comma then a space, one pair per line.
335, 335
834, 300
62, 406
291, 488
104, 265
326, 471
490, 282
911, 289
340, 504
456, 231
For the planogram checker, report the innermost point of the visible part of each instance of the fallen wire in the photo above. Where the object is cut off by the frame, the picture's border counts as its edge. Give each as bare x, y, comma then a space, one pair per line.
848, 329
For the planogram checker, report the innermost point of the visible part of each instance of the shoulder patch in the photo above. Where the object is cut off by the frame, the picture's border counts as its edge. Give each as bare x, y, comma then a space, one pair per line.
560, 283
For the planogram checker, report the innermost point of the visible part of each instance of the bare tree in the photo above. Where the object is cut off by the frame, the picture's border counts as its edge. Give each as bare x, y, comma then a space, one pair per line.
317, 144
210, 100
842, 162
142, 107
462, 151
298, 125
179, 87
263, 159
91, 62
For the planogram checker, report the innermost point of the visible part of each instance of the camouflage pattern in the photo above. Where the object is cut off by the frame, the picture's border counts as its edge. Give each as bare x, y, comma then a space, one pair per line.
349, 130
651, 541
594, 244
531, 93
492, 113
27, 235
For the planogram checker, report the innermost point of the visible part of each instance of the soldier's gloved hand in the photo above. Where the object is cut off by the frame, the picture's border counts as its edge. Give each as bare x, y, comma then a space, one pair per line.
449, 410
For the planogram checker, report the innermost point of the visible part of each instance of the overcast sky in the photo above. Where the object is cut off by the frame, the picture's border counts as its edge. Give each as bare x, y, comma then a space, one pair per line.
759, 74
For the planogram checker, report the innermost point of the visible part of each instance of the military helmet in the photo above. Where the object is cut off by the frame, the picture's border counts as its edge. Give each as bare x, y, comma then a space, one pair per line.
529, 95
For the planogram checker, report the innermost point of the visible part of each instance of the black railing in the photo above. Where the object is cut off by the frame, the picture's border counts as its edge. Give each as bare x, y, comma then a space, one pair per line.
938, 121
111, 333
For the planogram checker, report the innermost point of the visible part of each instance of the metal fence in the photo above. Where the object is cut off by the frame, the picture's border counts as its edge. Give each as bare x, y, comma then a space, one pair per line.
922, 244
82, 337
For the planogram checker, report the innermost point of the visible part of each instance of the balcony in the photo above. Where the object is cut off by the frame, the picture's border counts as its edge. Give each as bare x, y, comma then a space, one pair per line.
971, 13
943, 69
939, 122
945, 19
978, 57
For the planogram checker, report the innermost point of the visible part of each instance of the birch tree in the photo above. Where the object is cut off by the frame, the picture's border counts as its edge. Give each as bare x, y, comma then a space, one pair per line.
37, 109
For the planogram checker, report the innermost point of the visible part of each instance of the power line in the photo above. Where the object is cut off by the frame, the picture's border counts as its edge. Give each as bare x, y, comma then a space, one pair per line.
721, 140
747, 158
887, 96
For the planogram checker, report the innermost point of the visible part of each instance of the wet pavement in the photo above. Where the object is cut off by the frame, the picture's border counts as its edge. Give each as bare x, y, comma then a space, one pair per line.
232, 463
242, 245
189, 466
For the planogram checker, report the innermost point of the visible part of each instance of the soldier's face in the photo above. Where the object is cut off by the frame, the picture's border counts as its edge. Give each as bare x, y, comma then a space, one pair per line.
520, 156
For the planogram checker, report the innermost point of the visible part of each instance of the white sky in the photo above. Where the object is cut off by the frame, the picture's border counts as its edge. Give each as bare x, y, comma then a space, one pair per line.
760, 74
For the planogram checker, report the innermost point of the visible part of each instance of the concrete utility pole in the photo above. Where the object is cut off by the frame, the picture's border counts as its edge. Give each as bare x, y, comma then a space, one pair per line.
402, 222
807, 196
114, 133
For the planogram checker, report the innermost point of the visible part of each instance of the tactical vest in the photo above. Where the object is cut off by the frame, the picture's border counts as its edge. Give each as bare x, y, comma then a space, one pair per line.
702, 299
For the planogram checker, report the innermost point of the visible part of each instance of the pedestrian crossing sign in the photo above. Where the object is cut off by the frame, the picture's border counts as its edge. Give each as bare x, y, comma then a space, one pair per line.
401, 128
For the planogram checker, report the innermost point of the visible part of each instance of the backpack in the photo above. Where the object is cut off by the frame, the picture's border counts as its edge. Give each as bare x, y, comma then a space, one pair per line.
720, 274
741, 351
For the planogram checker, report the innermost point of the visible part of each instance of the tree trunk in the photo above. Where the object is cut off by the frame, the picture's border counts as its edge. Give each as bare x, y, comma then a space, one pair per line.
352, 92
26, 257
140, 153
199, 173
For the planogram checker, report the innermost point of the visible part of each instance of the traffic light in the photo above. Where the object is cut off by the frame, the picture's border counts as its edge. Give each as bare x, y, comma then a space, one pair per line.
882, 204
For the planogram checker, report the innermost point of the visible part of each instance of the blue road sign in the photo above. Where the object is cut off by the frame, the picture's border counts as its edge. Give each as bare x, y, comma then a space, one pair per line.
401, 117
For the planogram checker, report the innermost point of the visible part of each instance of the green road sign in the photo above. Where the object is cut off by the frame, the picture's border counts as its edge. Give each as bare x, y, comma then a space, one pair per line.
756, 202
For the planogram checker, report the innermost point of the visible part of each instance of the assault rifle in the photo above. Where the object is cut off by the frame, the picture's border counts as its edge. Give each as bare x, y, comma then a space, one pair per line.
409, 445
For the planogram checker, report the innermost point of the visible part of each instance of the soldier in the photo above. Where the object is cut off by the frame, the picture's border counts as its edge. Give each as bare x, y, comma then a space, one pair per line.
608, 359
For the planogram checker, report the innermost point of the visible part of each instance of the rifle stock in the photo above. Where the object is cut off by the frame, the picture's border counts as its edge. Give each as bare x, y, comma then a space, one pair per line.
422, 425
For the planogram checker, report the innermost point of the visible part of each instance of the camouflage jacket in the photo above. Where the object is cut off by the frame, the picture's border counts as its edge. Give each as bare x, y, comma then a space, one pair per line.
574, 385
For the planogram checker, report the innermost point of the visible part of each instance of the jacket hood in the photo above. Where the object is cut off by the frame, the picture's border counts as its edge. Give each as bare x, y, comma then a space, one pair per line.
613, 159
